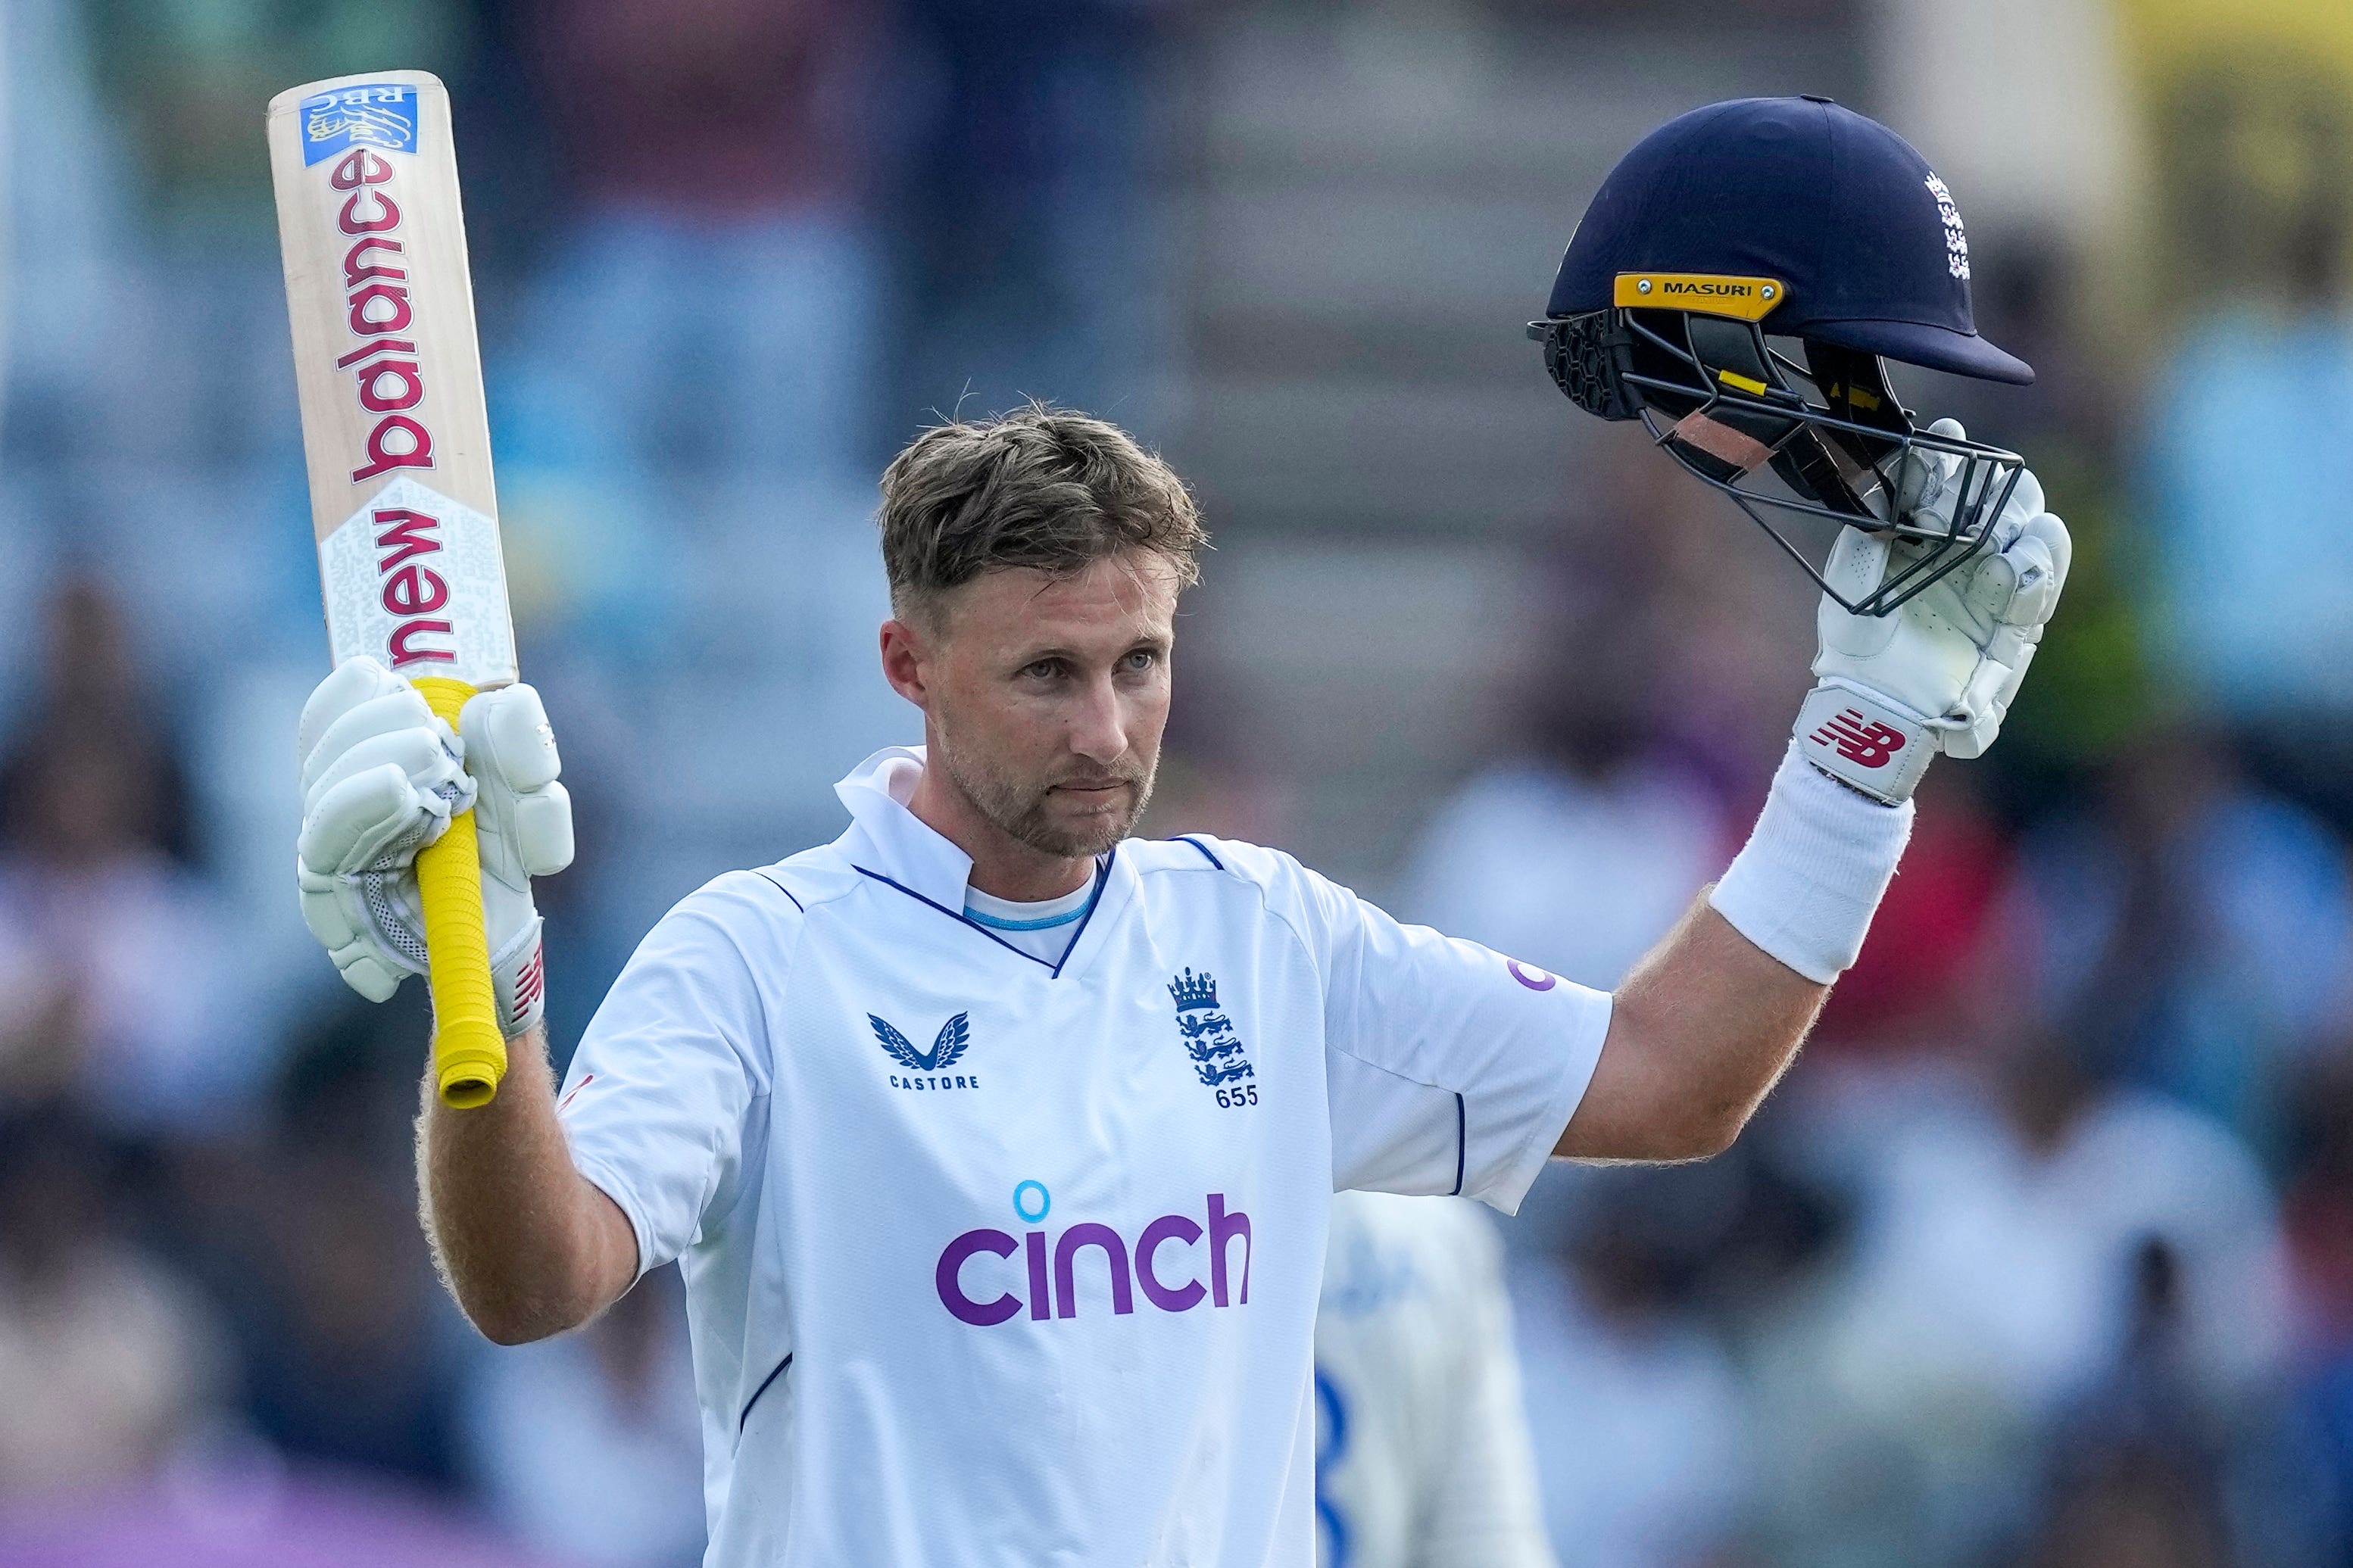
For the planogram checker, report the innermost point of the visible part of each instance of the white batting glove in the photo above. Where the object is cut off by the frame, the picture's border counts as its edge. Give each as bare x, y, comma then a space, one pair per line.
381, 778
1938, 674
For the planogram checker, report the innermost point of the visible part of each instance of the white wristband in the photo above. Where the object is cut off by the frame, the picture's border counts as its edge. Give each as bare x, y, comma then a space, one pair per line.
1805, 886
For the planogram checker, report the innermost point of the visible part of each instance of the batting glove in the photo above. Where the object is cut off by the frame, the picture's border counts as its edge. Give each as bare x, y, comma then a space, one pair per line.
381, 778
1938, 673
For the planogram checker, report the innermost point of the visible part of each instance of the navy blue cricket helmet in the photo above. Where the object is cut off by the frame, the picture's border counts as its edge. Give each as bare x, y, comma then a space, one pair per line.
1737, 283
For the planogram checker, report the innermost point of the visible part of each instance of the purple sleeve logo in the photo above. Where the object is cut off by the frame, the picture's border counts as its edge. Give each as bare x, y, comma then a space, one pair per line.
1534, 979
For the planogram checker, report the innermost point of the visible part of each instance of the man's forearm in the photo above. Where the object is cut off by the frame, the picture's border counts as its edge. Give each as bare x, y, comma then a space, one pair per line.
1698, 1036
1707, 1024
529, 1246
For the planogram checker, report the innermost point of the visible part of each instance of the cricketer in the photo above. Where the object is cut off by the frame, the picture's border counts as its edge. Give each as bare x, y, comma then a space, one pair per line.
966, 1128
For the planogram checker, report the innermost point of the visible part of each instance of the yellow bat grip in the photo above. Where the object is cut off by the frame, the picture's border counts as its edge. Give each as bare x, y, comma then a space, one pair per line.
470, 1054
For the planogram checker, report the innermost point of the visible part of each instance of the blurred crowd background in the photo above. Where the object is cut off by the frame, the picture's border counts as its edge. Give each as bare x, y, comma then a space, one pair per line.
2043, 1254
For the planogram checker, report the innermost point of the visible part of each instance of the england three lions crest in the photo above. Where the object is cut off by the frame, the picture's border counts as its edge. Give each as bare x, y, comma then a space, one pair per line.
1219, 1057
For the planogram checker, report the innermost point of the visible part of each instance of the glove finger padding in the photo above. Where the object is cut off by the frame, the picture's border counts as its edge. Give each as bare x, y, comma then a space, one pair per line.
508, 738
1938, 673
1857, 565
370, 951
1925, 476
525, 815
353, 682
2041, 556
1929, 488
381, 776
369, 821
543, 829
390, 713
420, 755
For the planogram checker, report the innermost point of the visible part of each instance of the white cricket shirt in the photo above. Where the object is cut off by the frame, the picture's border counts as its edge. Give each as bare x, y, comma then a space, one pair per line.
991, 1260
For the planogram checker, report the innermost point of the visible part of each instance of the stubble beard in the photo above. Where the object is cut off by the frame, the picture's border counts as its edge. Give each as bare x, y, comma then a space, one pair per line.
1018, 808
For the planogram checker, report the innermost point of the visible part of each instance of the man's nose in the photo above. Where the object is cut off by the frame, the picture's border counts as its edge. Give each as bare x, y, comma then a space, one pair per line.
1097, 731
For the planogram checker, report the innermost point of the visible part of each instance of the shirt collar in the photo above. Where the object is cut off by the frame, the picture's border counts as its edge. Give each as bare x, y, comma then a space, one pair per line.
884, 837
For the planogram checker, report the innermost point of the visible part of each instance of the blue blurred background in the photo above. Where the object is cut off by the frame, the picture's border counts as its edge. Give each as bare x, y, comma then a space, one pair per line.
2043, 1255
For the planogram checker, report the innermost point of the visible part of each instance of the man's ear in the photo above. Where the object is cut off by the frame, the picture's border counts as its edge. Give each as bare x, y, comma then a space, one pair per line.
905, 652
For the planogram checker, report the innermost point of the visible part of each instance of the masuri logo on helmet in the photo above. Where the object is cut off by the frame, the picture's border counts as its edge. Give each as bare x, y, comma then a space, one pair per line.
1834, 227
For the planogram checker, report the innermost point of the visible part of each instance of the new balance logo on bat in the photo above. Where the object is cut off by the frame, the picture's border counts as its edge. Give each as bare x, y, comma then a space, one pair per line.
1864, 743
378, 312
411, 589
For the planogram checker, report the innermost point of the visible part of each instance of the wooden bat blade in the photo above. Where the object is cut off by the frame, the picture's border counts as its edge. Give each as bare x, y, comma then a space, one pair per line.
394, 431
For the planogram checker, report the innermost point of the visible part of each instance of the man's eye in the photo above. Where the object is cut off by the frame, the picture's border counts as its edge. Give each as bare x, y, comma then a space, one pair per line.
1044, 669
1141, 659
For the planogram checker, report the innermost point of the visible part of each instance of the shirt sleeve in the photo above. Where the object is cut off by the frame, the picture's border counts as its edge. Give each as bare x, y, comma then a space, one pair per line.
662, 1091
1451, 1068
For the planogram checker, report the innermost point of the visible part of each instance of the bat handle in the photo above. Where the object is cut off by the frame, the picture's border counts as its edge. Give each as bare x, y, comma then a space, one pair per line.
470, 1054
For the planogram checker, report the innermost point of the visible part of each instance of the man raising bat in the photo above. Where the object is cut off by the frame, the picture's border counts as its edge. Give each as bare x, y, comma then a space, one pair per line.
998, 1146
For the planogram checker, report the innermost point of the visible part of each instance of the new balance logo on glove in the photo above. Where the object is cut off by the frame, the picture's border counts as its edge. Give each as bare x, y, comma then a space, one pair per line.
1865, 745
1859, 741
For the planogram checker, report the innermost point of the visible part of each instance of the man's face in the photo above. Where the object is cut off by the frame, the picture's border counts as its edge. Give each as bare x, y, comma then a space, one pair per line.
1045, 696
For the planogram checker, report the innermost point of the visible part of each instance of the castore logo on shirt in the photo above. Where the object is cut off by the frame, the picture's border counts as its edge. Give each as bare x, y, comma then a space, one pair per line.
1130, 1269
947, 1048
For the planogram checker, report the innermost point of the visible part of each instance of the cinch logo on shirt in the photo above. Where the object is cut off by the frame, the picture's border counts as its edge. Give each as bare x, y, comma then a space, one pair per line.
966, 1292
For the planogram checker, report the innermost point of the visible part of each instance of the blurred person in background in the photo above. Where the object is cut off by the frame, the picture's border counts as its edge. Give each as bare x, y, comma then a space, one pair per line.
587, 1446
1422, 1457
1581, 845
1998, 1281
1033, 265
353, 1355
1917, 987
1644, 1435
693, 383
116, 973
110, 1364
2191, 930
709, 304
2248, 451
2138, 1478
2317, 1216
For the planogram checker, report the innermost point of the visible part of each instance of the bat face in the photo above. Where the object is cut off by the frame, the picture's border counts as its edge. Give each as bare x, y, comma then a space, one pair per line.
389, 374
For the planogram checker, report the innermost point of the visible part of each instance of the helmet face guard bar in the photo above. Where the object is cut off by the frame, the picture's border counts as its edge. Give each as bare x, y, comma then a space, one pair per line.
1727, 406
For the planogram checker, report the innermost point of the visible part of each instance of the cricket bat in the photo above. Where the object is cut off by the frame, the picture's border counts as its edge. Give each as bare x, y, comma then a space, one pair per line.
399, 446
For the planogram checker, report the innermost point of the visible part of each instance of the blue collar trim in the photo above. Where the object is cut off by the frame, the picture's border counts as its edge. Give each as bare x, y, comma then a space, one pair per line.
1049, 923
1103, 879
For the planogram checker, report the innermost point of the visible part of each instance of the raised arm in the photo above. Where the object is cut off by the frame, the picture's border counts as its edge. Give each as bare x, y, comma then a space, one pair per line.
528, 1245
525, 1243
1708, 1022
1698, 1036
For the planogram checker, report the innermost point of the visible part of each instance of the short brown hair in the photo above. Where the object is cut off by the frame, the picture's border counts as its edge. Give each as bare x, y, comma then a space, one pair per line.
1044, 488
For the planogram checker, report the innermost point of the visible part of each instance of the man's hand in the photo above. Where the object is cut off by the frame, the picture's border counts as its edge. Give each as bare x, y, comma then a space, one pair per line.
1938, 674
381, 778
